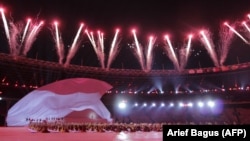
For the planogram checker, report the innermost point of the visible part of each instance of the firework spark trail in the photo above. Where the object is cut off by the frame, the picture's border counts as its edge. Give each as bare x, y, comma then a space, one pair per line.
138, 51
5, 24
57, 35
207, 41
99, 47
101, 40
59, 44
25, 30
149, 56
246, 26
171, 53
92, 41
237, 33
31, 37
188, 46
76, 37
226, 36
13, 41
185, 52
182, 57
74, 46
114, 49
12, 34
91, 38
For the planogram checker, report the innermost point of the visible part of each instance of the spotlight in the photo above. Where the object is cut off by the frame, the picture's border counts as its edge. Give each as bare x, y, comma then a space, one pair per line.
145, 104
200, 104
181, 104
153, 104
171, 104
136, 104
122, 105
162, 104
211, 104
190, 104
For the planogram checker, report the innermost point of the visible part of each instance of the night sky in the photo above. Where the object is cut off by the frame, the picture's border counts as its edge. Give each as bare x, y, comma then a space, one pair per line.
158, 17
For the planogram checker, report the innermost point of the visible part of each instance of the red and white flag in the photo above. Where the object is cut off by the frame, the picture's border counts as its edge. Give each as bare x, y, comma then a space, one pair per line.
59, 99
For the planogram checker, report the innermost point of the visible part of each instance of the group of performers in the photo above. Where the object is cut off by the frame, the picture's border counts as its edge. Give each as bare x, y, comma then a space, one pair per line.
45, 126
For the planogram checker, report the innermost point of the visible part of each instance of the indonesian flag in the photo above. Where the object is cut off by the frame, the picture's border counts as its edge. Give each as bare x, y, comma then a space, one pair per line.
59, 99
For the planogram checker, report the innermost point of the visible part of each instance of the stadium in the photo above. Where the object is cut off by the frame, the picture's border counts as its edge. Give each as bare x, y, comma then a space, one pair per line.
158, 95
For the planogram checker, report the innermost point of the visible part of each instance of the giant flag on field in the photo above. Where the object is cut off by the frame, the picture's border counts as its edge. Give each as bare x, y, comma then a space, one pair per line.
59, 99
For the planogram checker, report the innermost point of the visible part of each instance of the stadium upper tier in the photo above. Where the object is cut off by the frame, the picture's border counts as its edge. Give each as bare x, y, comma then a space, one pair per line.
24, 62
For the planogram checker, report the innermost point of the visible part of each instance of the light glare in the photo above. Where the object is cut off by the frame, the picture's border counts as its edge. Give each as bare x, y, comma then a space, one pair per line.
122, 105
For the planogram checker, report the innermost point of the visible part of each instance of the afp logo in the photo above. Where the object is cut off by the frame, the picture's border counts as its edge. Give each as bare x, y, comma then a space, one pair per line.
234, 133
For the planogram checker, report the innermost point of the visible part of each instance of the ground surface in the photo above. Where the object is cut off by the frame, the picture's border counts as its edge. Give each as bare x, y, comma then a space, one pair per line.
22, 134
